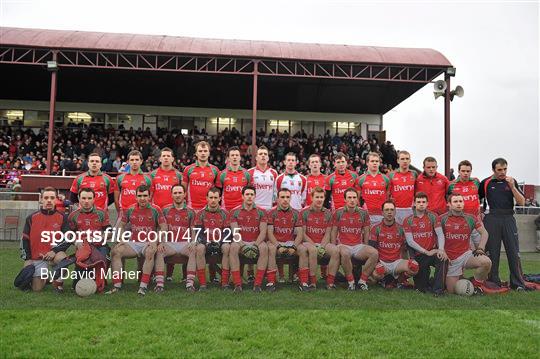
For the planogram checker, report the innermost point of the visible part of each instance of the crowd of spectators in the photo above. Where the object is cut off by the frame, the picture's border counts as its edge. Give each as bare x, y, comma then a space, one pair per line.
24, 150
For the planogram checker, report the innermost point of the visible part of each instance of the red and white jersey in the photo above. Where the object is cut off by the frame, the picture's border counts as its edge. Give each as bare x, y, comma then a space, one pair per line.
263, 181
162, 182
402, 188
297, 184
312, 182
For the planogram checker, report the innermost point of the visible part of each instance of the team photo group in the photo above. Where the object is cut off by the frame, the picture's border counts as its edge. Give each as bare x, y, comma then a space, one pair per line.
238, 228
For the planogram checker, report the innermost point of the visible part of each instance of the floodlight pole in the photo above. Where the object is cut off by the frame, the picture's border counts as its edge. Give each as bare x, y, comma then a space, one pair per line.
254, 115
447, 126
52, 106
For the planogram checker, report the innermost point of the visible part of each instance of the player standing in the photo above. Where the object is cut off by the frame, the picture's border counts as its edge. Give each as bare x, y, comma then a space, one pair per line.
163, 179
102, 184
317, 228
233, 179
434, 184
425, 237
338, 182
263, 178
402, 182
293, 181
350, 232
284, 229
249, 227
374, 188
179, 218
389, 239
199, 177
467, 187
315, 177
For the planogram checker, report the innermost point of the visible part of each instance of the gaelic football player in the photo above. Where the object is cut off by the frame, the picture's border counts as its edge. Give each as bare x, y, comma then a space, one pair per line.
179, 218
249, 227
293, 181
127, 183
146, 222
374, 188
199, 177
263, 179
317, 228
37, 251
315, 177
233, 179
467, 187
402, 183
435, 185
350, 231
102, 184
457, 227
284, 233
211, 230
338, 182
389, 239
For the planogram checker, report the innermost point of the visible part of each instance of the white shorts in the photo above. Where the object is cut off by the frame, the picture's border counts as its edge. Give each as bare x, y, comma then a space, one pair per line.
402, 213
40, 266
375, 219
391, 267
353, 250
286, 244
138, 247
456, 266
178, 247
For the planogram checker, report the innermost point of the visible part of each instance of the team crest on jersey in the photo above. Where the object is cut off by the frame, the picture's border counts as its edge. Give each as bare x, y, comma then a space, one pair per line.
166, 178
343, 182
56, 225
465, 189
388, 236
87, 222
422, 225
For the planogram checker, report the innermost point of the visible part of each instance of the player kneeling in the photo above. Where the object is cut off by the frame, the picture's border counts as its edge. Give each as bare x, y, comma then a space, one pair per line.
212, 233
145, 219
389, 238
284, 234
249, 226
351, 230
179, 218
458, 227
317, 229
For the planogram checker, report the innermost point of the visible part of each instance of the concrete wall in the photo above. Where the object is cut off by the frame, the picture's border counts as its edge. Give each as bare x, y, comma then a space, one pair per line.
526, 226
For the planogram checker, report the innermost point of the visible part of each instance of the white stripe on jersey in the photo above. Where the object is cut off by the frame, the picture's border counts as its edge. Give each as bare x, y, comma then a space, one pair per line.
263, 181
297, 184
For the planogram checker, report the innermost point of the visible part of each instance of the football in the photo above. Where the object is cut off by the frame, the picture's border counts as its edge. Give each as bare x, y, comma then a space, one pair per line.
464, 287
85, 287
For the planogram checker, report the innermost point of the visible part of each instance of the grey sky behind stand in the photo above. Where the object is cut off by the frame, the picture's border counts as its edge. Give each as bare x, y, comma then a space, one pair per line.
493, 45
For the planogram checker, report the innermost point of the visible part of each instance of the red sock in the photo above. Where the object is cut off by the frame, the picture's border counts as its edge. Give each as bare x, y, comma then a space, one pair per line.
364, 277
237, 279
303, 275
259, 277
201, 274
170, 270
350, 278
281, 270
330, 279
477, 282
313, 279
271, 276
224, 277
324, 271
117, 280
145, 279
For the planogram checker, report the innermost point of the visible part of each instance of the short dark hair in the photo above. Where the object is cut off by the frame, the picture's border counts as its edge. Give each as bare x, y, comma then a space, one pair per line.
214, 190
421, 195
464, 163
291, 154
166, 149
135, 153
88, 190
248, 187
429, 159
142, 188
388, 201
340, 155
283, 190
452, 195
317, 189
50, 189
94, 154
498, 161
178, 185
350, 189
232, 148
263, 147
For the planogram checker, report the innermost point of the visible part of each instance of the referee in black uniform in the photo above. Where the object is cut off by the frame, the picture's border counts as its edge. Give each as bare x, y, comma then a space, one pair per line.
499, 192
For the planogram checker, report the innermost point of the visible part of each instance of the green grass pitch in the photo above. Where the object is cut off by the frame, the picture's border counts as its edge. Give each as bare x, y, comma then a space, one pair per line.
288, 323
